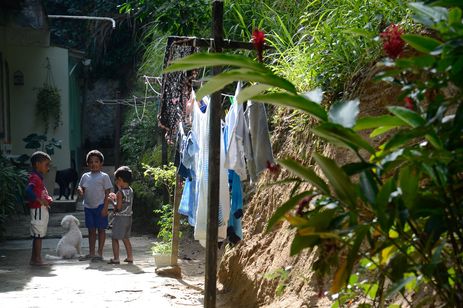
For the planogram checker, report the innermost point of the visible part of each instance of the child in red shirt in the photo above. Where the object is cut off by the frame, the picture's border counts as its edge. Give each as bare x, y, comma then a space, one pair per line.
39, 202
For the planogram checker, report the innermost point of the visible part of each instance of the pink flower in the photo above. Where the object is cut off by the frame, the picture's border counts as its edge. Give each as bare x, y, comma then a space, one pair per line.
393, 44
258, 39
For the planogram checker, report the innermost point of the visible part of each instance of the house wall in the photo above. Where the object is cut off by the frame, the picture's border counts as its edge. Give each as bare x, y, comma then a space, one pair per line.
31, 61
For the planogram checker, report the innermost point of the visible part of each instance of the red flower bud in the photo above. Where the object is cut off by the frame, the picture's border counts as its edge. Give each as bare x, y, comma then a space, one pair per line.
258, 39
409, 103
273, 168
393, 44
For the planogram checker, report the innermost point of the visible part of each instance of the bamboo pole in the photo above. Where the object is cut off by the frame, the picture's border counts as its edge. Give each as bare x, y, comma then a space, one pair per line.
214, 169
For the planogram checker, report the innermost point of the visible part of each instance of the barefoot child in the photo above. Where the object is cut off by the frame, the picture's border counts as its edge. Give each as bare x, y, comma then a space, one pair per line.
39, 202
123, 214
95, 187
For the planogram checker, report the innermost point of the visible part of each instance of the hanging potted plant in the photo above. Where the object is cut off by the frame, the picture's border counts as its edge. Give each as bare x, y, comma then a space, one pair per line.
48, 105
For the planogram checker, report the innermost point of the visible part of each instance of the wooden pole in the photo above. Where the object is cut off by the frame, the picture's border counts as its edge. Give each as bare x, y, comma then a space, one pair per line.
214, 169
176, 222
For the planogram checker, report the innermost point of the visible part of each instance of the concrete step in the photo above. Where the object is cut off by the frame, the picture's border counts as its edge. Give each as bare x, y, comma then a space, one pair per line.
63, 205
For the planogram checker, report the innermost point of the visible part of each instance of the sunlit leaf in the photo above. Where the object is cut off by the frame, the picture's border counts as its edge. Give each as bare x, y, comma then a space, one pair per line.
424, 44
344, 113
315, 95
286, 207
248, 92
219, 81
342, 136
296, 221
396, 287
199, 60
298, 102
428, 15
378, 121
305, 173
410, 117
341, 183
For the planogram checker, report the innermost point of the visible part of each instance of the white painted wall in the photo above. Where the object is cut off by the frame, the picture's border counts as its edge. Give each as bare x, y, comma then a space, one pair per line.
31, 61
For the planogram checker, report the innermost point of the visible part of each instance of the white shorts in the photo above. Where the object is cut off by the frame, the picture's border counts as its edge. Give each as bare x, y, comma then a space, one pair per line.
39, 222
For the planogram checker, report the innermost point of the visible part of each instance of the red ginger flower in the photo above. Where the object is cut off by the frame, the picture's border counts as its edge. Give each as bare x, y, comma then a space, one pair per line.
409, 103
393, 44
258, 39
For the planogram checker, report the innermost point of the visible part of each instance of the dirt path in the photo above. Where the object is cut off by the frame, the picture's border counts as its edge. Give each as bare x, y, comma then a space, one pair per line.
73, 283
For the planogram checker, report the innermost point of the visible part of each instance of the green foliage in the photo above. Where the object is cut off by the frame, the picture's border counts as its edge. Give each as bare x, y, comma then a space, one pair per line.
402, 208
48, 107
41, 142
12, 185
165, 222
282, 275
162, 177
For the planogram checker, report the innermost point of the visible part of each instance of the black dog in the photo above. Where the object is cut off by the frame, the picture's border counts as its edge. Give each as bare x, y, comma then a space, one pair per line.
64, 178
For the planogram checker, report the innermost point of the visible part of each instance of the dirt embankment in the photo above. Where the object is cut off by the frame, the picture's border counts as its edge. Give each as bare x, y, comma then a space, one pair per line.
245, 269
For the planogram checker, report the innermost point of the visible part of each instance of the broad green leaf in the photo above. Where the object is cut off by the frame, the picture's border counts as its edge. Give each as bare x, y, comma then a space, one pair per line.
424, 44
378, 121
448, 3
317, 222
396, 287
219, 81
306, 174
408, 183
455, 16
368, 186
386, 254
344, 113
293, 101
428, 15
354, 168
248, 92
342, 136
199, 60
341, 183
381, 130
301, 242
382, 202
340, 277
359, 235
408, 116
286, 207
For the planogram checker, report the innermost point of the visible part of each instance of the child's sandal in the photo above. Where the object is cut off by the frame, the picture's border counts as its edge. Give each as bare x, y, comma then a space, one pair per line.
128, 261
111, 261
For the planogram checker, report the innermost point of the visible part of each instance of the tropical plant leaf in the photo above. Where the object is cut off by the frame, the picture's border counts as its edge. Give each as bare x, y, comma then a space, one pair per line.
354, 168
368, 186
342, 136
285, 207
219, 81
251, 91
293, 101
396, 287
341, 183
344, 113
424, 44
305, 173
378, 121
428, 15
198, 60
408, 183
410, 117
301, 242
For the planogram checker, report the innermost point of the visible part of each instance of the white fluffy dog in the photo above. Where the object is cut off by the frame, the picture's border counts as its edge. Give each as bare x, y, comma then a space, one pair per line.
69, 245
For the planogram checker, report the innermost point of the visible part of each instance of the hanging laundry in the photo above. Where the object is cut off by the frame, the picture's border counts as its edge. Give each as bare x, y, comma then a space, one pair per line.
200, 127
176, 89
260, 152
234, 230
238, 135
